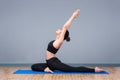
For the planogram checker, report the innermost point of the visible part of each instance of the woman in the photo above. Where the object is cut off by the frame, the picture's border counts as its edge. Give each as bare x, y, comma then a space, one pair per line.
53, 63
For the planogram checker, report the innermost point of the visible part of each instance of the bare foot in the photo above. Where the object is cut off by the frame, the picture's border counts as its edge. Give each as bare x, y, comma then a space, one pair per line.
97, 69
47, 69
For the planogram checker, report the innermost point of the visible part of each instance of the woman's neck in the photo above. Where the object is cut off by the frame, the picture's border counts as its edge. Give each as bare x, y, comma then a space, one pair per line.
57, 37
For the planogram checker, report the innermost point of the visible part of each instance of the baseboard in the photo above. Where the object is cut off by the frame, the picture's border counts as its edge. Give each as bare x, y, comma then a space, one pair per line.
102, 65
72, 64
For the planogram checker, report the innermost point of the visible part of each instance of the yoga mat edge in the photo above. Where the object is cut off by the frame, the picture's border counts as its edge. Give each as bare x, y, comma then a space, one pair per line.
55, 72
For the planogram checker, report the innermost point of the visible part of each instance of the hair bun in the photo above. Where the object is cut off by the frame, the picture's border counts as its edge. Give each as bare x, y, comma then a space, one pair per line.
68, 39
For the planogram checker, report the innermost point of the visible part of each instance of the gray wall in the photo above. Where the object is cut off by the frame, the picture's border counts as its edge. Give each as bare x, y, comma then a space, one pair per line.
26, 27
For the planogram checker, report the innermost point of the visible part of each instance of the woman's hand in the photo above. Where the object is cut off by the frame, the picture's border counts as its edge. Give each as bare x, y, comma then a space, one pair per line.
47, 69
76, 13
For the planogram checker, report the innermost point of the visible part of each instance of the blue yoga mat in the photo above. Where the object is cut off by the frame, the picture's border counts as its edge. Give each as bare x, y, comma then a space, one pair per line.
55, 72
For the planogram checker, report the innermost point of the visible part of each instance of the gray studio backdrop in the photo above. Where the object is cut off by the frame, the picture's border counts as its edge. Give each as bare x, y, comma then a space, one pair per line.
26, 27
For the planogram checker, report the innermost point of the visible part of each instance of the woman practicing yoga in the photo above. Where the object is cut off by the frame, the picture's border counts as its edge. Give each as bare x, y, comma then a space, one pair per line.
52, 62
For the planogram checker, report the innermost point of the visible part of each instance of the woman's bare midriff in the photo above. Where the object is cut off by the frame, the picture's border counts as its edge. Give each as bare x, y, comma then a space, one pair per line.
49, 55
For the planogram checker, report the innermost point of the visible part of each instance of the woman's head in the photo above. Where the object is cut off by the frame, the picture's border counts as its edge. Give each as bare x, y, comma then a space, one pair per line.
66, 36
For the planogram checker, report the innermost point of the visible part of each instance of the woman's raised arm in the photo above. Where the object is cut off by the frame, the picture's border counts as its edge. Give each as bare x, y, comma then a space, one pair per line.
70, 20
68, 23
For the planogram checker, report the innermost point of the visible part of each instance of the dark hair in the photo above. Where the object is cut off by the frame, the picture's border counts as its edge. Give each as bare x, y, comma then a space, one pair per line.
66, 37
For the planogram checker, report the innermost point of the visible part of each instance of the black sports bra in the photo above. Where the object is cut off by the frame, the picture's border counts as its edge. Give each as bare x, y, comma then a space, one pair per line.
51, 48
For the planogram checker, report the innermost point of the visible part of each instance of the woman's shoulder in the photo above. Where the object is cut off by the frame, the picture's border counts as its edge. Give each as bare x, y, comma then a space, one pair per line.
51, 42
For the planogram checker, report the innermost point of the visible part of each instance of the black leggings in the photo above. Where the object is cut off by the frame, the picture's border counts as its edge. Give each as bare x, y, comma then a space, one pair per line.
39, 66
55, 64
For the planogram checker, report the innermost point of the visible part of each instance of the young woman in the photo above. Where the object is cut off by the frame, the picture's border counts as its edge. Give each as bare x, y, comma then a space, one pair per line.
52, 62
